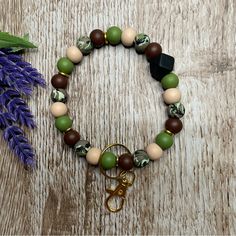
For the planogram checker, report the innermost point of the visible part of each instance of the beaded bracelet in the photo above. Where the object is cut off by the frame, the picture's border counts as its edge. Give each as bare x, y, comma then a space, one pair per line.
161, 66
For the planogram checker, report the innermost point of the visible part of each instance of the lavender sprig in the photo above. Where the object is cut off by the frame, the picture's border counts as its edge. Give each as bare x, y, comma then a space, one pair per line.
18, 74
20, 145
6, 119
21, 112
17, 78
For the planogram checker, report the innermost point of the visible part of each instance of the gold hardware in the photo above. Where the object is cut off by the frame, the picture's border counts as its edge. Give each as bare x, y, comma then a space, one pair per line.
168, 132
105, 36
62, 73
124, 182
119, 191
68, 130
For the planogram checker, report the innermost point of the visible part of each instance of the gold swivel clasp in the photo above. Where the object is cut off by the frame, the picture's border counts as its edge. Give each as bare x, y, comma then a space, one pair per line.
125, 179
119, 191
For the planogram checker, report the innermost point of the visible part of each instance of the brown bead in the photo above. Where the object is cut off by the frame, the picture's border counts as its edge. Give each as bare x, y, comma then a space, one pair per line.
153, 50
98, 38
174, 125
125, 161
59, 81
71, 137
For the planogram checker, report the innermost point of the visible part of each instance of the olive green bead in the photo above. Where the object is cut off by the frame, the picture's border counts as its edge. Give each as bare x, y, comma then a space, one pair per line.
108, 160
170, 81
63, 123
65, 65
164, 140
113, 35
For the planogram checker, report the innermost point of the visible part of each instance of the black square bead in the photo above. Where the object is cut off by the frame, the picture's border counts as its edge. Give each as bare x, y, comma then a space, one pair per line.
161, 66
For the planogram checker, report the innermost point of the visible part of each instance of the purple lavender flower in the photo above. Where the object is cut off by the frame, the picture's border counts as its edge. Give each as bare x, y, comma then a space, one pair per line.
19, 144
17, 78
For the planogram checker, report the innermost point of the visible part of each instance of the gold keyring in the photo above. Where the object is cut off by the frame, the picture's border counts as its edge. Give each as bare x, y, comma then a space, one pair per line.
104, 150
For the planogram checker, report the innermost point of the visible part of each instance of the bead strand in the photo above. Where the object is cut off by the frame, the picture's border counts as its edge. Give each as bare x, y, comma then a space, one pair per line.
161, 66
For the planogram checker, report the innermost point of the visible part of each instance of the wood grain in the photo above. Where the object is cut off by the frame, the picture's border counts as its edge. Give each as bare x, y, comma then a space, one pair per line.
192, 189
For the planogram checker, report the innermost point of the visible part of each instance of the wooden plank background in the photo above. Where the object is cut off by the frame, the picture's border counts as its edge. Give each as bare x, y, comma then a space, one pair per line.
192, 189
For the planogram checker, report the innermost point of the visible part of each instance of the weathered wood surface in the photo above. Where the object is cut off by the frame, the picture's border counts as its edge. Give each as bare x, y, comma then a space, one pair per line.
192, 189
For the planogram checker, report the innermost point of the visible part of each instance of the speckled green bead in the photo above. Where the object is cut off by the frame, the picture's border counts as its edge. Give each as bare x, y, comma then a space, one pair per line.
164, 140
63, 123
141, 41
59, 95
82, 147
141, 158
108, 160
65, 65
170, 81
113, 35
85, 45
176, 110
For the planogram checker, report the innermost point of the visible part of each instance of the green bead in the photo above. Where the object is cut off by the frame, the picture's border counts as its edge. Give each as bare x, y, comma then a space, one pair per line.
63, 123
170, 81
108, 160
65, 65
113, 35
164, 140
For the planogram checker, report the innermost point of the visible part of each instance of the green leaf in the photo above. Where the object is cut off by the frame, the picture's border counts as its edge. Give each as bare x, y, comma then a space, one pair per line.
14, 42
20, 49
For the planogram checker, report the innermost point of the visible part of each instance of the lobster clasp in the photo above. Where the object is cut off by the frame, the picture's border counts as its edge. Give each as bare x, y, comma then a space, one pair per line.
119, 191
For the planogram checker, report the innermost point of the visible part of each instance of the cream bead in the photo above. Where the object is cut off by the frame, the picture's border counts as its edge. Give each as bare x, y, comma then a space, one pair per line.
128, 36
74, 54
154, 151
58, 109
172, 95
93, 156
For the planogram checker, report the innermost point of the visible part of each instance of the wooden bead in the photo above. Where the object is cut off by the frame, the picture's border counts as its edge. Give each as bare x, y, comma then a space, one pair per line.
74, 54
93, 156
154, 151
153, 50
59, 81
128, 36
172, 96
125, 161
58, 109
98, 38
174, 125
71, 137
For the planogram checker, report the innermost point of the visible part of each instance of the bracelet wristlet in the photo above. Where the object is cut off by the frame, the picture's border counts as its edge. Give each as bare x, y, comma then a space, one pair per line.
161, 66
